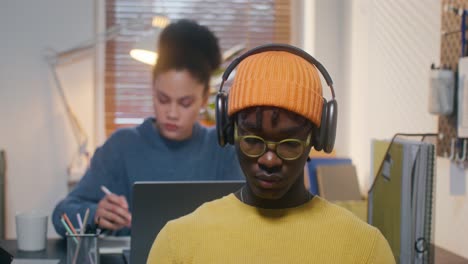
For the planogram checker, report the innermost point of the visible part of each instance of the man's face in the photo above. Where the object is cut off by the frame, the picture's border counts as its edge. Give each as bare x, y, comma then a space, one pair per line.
269, 176
177, 100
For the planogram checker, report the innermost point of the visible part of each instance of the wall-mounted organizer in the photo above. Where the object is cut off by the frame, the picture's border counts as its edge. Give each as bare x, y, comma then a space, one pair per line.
454, 142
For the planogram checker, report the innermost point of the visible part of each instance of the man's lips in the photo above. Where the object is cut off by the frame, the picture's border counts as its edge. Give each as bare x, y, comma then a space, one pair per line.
268, 181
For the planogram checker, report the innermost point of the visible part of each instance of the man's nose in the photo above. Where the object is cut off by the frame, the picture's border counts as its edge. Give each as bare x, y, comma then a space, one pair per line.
270, 161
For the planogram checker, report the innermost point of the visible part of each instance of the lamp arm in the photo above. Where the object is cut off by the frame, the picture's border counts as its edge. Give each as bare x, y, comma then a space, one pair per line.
80, 135
69, 55
63, 57
55, 59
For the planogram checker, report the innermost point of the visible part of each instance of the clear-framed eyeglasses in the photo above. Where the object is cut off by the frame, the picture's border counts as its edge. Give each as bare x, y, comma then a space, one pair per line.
255, 146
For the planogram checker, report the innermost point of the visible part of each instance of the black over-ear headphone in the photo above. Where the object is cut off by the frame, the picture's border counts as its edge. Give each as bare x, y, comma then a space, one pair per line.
324, 136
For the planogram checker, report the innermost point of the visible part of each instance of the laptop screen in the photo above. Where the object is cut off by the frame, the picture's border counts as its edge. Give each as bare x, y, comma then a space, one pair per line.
156, 203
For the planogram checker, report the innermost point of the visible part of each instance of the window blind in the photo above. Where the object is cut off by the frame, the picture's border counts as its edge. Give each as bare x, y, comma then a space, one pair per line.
128, 96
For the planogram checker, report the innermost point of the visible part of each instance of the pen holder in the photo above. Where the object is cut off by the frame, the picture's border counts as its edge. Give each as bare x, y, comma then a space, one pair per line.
82, 249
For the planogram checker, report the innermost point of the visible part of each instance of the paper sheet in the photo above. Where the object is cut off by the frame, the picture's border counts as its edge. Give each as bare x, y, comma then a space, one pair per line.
113, 245
457, 179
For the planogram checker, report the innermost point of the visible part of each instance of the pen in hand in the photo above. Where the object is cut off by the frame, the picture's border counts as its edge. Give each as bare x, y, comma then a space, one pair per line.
105, 190
106, 204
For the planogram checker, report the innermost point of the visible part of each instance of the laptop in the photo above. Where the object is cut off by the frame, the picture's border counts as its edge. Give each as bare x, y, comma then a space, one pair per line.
156, 203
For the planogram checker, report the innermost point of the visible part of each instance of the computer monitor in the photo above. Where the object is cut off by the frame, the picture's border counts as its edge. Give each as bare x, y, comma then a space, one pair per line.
155, 203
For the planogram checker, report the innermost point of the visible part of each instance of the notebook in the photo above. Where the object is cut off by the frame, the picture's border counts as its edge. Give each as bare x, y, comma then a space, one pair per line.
155, 203
401, 198
338, 182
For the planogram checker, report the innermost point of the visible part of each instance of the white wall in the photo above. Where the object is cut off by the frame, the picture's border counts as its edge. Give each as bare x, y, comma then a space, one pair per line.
404, 39
331, 34
451, 229
34, 129
379, 54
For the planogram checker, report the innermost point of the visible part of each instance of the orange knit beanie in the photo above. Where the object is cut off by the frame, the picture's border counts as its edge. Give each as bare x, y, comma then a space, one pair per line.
280, 79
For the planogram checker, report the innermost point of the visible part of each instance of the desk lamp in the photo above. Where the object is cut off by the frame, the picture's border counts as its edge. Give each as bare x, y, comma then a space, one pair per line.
56, 58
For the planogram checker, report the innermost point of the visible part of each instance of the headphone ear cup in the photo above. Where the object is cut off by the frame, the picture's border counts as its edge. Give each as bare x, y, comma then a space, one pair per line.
221, 117
229, 131
320, 132
229, 124
331, 121
224, 124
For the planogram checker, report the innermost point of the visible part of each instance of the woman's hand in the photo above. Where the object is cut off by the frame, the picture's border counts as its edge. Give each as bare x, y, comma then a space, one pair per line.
112, 213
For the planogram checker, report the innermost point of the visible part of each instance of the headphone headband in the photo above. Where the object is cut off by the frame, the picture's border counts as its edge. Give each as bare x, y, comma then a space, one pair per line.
324, 136
280, 47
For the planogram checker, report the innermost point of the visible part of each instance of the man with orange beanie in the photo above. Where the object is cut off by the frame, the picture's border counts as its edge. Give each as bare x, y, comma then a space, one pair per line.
274, 116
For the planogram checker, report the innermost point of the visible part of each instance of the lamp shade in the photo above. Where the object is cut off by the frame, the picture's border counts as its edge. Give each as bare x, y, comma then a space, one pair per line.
145, 49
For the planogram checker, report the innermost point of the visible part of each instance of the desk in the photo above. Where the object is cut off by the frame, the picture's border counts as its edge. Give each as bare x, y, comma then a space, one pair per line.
56, 249
444, 256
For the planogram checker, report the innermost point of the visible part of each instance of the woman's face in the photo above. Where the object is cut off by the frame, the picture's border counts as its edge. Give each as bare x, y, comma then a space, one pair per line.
270, 177
177, 100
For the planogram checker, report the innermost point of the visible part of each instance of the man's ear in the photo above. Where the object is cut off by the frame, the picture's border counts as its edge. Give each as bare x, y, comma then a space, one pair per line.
308, 150
314, 132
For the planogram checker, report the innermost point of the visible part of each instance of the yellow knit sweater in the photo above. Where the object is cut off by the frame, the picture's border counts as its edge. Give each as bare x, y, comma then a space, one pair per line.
229, 231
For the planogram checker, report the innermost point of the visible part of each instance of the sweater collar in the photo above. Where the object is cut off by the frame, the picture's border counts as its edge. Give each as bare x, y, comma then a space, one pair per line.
274, 212
151, 133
